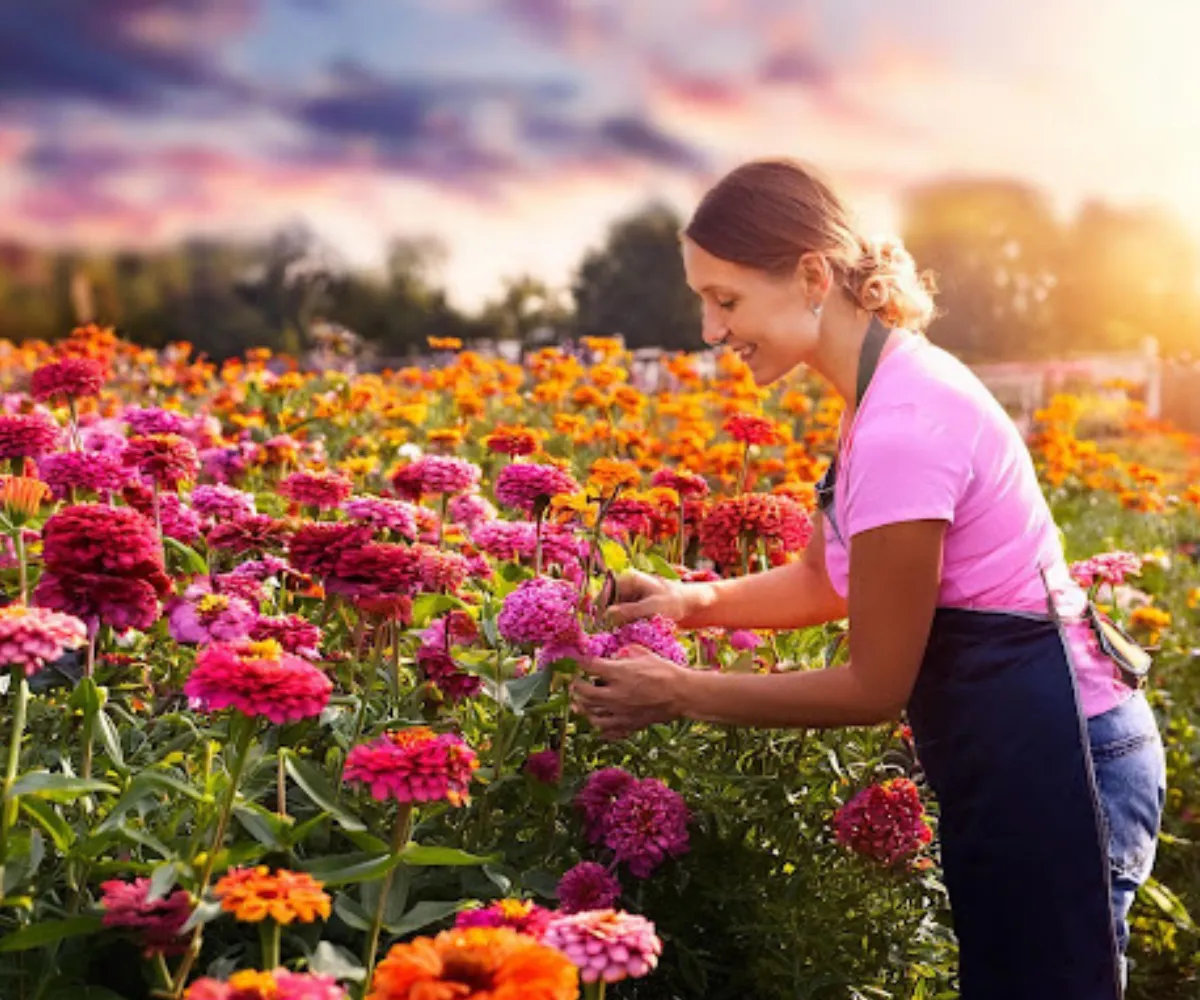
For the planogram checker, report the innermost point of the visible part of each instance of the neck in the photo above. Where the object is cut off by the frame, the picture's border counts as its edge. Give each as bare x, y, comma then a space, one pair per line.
839, 344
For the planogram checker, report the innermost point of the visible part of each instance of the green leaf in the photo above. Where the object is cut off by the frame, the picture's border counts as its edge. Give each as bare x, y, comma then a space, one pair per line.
48, 932
88, 697
206, 911
192, 559
344, 869
316, 786
660, 566
615, 556
162, 881
264, 826
351, 913
418, 854
58, 787
533, 687
329, 959
1168, 902
422, 915
426, 607
112, 742
45, 815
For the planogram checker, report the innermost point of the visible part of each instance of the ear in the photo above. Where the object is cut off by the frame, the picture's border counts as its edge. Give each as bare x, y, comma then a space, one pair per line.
814, 272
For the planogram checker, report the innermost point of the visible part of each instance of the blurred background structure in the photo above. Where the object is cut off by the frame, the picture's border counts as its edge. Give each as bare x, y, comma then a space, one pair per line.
239, 173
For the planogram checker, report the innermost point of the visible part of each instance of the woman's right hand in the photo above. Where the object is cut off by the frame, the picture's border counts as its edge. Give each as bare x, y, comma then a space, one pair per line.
642, 595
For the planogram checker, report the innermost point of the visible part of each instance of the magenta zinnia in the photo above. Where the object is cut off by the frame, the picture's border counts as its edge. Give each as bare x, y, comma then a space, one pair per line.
539, 610
523, 484
295, 634
256, 533
646, 824
381, 512
27, 435
32, 637
165, 459
323, 490
257, 679
884, 822
158, 923
71, 378
520, 915
82, 470
1107, 567
201, 616
734, 528
587, 886
414, 765
606, 945
596, 797
441, 474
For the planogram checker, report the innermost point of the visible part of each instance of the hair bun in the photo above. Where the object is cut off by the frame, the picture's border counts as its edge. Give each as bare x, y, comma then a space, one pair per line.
885, 280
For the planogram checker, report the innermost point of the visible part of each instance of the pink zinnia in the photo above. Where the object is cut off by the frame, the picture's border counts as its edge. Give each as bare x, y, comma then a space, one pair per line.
742, 639
544, 766
443, 474
414, 765
158, 923
523, 484
295, 634
73, 378
221, 503
32, 637
66, 470
646, 824
376, 570
178, 520
257, 679
1107, 567
442, 571
317, 548
201, 617
240, 585
512, 540
468, 509
323, 490
522, 916
27, 435
166, 459
742, 523
257, 533
539, 610
606, 945
248, 985
587, 886
656, 634
688, 486
438, 667
596, 797
382, 512
884, 822
151, 420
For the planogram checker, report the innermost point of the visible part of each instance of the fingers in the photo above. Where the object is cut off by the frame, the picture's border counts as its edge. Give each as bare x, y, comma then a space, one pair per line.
624, 613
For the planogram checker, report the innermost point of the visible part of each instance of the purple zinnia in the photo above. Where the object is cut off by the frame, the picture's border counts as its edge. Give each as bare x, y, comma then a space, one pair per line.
222, 503
539, 610
523, 484
657, 634
587, 886
742, 639
544, 766
596, 797
200, 617
646, 824
382, 512
154, 420
469, 509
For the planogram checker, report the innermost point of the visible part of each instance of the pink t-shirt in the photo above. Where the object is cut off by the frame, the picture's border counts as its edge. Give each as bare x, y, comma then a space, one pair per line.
930, 442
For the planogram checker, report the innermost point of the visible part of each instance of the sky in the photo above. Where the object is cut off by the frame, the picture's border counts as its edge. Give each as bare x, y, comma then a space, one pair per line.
516, 131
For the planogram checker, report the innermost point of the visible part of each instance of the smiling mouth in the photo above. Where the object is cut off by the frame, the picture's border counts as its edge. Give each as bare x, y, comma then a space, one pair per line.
746, 351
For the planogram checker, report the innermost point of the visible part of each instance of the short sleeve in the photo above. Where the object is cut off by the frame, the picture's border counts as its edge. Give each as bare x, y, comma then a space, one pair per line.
907, 464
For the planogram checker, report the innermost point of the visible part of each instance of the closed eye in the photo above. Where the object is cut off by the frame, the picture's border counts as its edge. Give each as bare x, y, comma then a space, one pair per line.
727, 305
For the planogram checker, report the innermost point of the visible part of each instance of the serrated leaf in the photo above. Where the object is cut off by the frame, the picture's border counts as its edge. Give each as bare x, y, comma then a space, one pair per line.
422, 915
192, 560
58, 787
49, 931
329, 959
315, 785
419, 854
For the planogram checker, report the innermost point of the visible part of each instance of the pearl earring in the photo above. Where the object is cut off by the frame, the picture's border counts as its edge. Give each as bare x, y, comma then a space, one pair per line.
816, 310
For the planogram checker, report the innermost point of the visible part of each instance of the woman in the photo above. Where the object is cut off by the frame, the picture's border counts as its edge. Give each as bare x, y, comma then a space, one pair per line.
935, 541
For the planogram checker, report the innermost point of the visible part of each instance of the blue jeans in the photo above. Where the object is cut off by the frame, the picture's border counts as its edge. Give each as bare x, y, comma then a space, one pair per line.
1131, 776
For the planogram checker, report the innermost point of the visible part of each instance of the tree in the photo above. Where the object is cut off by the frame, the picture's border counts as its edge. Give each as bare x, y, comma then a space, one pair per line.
634, 285
525, 307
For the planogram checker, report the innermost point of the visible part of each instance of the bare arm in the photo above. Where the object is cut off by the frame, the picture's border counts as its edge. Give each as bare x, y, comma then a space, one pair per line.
894, 580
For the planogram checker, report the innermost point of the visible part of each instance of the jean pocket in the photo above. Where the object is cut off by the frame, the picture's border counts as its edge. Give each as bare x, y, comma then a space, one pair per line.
1131, 779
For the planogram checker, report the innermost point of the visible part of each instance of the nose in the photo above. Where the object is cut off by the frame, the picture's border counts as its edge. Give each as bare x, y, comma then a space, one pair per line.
713, 330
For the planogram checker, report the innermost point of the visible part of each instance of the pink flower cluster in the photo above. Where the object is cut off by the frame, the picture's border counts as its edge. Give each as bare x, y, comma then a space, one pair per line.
382, 512
1107, 567
884, 822
148, 420
414, 765
437, 474
469, 509
218, 502
522, 916
642, 821
27, 435
166, 459
257, 679
200, 617
513, 540
323, 490
66, 470
539, 610
158, 923
523, 484
544, 766
295, 634
70, 377
587, 886
656, 634
288, 986
32, 637
606, 945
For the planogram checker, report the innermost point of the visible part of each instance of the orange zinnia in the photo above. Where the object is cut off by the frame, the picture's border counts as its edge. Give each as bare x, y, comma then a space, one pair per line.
609, 474
477, 963
253, 894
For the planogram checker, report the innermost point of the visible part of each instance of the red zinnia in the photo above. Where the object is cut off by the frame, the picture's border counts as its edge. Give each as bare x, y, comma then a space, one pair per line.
71, 377
884, 822
257, 678
27, 435
255, 533
751, 430
167, 459
734, 526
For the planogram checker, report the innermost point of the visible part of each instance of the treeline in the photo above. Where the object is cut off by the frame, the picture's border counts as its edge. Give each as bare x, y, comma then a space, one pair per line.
1016, 282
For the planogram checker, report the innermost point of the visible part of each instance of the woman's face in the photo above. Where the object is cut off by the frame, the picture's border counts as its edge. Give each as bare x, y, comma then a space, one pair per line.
767, 321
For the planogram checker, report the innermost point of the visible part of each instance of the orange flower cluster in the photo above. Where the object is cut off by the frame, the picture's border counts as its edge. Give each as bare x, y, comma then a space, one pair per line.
254, 894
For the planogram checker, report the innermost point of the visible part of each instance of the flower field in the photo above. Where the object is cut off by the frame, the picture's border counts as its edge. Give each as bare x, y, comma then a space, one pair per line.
286, 659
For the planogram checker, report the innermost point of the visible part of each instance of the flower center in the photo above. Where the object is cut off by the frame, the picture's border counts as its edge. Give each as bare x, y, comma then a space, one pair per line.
406, 738
515, 909
212, 604
267, 649
250, 985
469, 967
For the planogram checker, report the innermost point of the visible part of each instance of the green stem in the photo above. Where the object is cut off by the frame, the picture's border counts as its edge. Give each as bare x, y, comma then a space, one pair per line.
269, 934
89, 720
8, 813
400, 834
594, 991
22, 564
241, 747
163, 973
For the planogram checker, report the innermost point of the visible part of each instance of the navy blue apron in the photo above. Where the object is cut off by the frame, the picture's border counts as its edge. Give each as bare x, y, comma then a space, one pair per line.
1000, 736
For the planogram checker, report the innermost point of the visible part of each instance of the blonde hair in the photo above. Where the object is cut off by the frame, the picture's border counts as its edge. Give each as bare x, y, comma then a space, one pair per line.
766, 214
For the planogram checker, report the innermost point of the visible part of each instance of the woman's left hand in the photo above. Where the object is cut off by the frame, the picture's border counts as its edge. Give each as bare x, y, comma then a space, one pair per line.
636, 689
